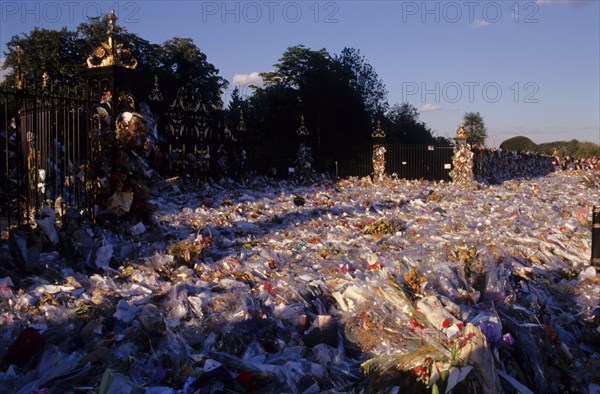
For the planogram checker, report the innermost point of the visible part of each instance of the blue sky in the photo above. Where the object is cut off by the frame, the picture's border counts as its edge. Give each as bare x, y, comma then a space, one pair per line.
530, 68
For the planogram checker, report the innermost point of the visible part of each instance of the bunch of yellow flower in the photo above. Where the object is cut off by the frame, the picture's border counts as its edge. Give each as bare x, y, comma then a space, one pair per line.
413, 281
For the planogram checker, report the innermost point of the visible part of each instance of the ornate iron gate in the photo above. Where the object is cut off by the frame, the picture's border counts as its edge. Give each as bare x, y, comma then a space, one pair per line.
44, 152
187, 132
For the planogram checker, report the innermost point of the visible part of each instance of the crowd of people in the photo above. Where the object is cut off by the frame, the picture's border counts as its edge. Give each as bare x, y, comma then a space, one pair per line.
495, 165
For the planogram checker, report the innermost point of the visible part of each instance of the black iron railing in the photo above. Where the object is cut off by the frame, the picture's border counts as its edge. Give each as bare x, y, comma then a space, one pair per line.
45, 150
426, 162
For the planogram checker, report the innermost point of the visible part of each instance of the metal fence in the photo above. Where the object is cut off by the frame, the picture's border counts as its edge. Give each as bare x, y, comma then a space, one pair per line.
45, 147
428, 162
48, 142
48, 145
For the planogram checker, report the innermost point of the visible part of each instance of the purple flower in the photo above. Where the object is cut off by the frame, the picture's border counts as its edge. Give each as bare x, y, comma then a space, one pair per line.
508, 339
493, 334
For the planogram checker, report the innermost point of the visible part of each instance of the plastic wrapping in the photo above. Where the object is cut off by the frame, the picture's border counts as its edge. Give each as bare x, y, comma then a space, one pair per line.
462, 163
378, 163
393, 286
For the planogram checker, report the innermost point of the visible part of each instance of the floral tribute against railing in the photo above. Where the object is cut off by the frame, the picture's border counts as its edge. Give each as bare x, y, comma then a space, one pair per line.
303, 165
378, 154
462, 160
122, 138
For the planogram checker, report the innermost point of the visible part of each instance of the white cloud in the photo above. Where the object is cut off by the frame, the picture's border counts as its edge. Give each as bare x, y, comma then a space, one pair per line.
242, 80
478, 23
429, 108
3, 72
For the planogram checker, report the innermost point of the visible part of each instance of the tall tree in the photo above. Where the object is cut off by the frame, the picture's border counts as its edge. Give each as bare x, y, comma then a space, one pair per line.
403, 126
297, 66
475, 128
311, 73
363, 79
333, 95
186, 63
237, 104
237, 110
56, 52
271, 121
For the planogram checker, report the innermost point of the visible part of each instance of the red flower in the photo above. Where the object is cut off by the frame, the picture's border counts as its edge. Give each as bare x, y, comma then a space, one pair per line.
269, 289
415, 324
445, 323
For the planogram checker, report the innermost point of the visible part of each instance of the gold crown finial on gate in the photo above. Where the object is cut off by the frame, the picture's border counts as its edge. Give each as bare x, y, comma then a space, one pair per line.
110, 53
302, 130
378, 131
461, 133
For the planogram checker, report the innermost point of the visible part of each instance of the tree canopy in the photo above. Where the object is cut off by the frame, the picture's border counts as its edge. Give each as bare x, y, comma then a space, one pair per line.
339, 97
572, 148
520, 143
402, 125
363, 79
56, 52
62, 55
475, 128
